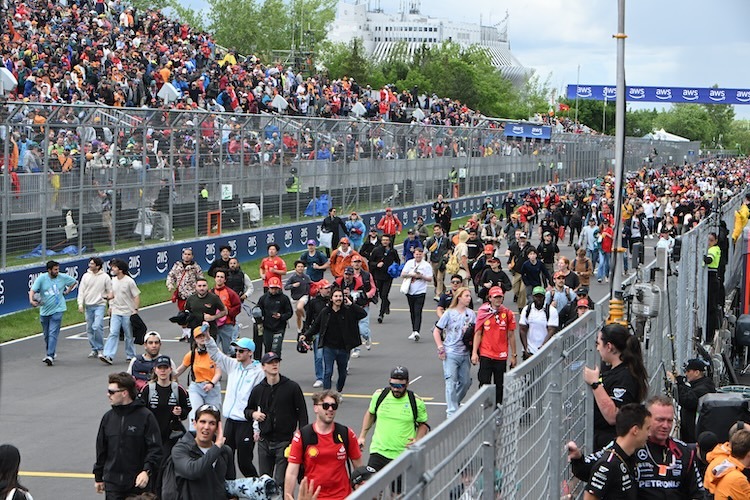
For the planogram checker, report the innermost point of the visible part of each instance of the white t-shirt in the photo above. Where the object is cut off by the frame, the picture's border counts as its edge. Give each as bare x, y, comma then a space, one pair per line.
537, 324
418, 286
125, 291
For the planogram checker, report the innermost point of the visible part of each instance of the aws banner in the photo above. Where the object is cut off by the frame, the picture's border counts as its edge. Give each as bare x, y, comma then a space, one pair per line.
527, 131
661, 94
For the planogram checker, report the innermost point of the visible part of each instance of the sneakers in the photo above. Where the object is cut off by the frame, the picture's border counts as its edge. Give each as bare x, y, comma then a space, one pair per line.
414, 336
355, 352
94, 353
368, 343
598, 280
380, 318
436, 298
318, 383
48, 360
105, 359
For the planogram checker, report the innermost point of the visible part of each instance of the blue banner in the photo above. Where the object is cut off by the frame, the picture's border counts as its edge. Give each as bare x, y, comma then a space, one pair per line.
527, 131
661, 94
153, 262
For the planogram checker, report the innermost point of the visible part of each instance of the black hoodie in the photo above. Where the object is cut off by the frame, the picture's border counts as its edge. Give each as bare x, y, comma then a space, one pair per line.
128, 442
284, 406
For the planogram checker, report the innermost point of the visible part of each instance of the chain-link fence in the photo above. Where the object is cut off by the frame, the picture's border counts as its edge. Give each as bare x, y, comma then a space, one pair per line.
108, 166
546, 402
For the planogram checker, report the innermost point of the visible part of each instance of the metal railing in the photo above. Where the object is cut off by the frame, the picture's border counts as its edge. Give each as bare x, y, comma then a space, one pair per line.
79, 159
546, 402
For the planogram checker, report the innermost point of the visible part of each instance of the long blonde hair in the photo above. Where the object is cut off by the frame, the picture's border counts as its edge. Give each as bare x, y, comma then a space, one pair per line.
457, 295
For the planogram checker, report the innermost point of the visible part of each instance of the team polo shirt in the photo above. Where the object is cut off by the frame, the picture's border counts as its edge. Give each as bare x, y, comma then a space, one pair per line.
394, 426
614, 476
269, 263
623, 389
495, 330
325, 462
204, 367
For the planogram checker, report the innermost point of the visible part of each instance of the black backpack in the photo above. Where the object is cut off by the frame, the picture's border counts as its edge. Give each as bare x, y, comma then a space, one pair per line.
412, 401
309, 437
171, 485
528, 311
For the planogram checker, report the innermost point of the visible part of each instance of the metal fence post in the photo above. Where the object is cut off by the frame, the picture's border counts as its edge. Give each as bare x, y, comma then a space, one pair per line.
489, 449
555, 411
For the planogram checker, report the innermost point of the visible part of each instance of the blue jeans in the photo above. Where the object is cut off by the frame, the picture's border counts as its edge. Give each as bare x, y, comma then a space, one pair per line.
318, 360
199, 397
110, 347
51, 329
225, 335
341, 357
593, 255
364, 325
457, 373
95, 326
603, 265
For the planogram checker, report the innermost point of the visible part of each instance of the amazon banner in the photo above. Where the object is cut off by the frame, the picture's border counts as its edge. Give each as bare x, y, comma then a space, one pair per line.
528, 131
661, 94
153, 262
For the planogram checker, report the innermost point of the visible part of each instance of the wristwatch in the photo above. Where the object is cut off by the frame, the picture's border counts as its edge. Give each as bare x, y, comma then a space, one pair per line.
595, 385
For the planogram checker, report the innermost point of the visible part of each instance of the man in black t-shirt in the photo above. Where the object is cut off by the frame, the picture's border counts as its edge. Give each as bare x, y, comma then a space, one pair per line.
615, 476
205, 306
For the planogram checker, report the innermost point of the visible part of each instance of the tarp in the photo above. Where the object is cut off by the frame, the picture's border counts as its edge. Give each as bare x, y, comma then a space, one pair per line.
663, 135
528, 131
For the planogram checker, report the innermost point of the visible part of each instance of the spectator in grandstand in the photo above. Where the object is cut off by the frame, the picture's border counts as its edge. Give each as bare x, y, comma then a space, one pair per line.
626, 382
448, 336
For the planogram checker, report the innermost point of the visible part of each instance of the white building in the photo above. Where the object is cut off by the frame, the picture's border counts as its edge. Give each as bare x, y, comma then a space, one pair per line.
382, 32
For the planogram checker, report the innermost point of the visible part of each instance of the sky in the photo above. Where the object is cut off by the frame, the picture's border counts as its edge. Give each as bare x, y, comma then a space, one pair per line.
676, 43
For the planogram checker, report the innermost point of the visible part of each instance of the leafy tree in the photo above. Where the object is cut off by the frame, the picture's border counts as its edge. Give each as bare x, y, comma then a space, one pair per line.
689, 121
721, 116
640, 122
347, 59
738, 136
187, 15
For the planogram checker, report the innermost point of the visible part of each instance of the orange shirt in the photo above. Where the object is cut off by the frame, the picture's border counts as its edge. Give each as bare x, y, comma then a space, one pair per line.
204, 368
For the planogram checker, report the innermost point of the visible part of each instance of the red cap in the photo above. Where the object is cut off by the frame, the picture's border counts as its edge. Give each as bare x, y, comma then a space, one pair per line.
582, 303
496, 291
388, 209
489, 249
274, 282
324, 283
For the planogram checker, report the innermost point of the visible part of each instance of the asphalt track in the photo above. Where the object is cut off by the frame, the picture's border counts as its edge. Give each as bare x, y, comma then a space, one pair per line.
52, 414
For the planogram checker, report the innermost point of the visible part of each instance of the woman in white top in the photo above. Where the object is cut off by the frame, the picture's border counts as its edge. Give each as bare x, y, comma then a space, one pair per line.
448, 335
419, 272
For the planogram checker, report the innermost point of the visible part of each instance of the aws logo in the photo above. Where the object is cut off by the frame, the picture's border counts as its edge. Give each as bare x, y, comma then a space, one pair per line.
609, 93
252, 245
584, 92
287, 238
717, 95
2, 291
690, 94
537, 131
162, 261
134, 265
210, 252
303, 235
232, 247
743, 95
517, 129
664, 94
72, 271
637, 93
270, 238
33, 277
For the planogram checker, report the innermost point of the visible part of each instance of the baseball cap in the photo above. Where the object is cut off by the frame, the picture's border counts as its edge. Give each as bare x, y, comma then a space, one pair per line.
152, 333
200, 329
695, 364
582, 303
496, 291
410, 231
163, 361
373, 230
558, 274
324, 283
268, 357
522, 235
274, 282
493, 259
312, 242
244, 343
344, 240
361, 474
584, 290
538, 290
348, 270
388, 209
489, 249
400, 373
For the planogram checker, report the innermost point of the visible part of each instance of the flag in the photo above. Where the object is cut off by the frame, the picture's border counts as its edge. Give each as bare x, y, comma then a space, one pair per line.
563, 107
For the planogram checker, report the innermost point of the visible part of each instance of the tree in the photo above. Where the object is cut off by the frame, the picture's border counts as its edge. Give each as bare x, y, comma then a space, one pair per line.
689, 121
347, 59
738, 136
640, 122
187, 15
721, 116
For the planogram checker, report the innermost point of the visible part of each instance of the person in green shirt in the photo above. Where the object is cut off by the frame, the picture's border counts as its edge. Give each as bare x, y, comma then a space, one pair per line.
401, 417
713, 299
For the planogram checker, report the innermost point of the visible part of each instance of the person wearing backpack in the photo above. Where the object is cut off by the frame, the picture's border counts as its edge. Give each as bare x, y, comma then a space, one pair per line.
327, 467
538, 323
205, 375
397, 428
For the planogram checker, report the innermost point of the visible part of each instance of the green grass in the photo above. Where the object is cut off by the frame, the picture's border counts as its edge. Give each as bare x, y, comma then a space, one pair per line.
26, 323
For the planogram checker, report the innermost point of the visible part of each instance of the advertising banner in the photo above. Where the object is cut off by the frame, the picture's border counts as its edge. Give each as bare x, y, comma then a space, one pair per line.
528, 131
661, 94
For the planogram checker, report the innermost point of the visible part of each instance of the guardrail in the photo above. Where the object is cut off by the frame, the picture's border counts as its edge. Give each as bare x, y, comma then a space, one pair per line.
546, 402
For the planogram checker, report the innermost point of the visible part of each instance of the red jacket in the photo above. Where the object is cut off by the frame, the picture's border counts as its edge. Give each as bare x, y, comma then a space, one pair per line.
231, 301
390, 224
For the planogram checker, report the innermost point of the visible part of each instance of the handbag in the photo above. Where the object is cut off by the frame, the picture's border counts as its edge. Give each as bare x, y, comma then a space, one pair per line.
176, 293
468, 336
405, 285
176, 429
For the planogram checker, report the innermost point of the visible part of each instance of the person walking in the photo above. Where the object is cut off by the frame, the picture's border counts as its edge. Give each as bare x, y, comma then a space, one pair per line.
227, 329
380, 260
48, 293
181, 282
336, 331
243, 374
448, 335
142, 366
356, 229
10, 462
494, 347
538, 323
128, 444
334, 226
396, 428
272, 266
277, 311
390, 224
441, 211
278, 407
315, 261
439, 246
93, 292
326, 468
204, 381
206, 306
298, 284
419, 273
125, 301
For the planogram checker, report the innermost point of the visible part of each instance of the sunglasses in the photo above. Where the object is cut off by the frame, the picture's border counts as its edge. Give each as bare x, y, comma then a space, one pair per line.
398, 386
456, 282
329, 406
113, 392
208, 408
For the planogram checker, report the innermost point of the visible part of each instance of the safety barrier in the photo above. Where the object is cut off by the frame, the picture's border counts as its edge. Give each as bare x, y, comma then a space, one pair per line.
546, 402
106, 166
